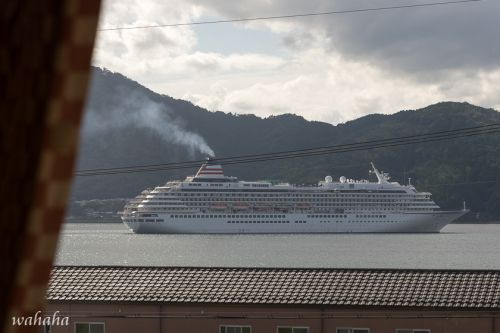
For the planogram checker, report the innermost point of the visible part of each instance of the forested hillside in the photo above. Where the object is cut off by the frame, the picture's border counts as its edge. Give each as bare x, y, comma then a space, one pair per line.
126, 124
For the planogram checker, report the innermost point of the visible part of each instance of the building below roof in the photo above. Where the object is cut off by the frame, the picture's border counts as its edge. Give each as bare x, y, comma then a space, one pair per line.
245, 300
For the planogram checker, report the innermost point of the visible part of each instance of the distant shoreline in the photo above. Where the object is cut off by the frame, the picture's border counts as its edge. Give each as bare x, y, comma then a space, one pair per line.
83, 220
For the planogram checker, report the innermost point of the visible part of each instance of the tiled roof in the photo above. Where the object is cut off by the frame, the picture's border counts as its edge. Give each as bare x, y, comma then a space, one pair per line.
339, 287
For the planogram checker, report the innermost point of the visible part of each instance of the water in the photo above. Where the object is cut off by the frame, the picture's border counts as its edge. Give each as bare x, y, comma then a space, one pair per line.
459, 246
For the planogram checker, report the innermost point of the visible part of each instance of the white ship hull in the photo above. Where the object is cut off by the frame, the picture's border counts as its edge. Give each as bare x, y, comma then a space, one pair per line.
211, 203
251, 223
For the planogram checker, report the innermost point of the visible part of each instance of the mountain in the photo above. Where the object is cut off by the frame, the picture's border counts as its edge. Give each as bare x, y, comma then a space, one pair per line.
127, 124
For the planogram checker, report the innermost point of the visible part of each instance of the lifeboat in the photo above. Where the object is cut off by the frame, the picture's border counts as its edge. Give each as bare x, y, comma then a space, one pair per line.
218, 206
303, 205
241, 206
262, 207
283, 208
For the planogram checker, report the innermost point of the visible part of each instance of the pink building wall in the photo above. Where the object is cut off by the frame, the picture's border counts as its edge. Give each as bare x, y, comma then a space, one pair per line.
265, 319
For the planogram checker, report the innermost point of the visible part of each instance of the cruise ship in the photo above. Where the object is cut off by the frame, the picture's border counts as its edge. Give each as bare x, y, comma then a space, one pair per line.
211, 202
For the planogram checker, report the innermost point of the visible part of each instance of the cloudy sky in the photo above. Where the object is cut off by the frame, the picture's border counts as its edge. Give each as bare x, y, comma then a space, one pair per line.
330, 68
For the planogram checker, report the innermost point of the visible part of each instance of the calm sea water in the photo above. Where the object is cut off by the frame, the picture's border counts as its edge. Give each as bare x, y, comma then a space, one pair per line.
458, 246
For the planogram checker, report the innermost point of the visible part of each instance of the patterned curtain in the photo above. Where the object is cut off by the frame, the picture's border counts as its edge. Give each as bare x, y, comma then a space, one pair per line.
45, 52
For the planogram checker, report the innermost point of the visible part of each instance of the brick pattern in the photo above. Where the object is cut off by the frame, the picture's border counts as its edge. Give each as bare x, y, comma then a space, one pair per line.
335, 287
57, 110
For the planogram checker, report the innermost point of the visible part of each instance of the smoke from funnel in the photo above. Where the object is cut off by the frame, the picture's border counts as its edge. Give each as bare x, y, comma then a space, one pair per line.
135, 109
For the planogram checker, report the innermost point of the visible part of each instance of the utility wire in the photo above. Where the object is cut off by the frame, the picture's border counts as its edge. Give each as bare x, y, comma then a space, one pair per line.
279, 157
350, 147
263, 18
221, 160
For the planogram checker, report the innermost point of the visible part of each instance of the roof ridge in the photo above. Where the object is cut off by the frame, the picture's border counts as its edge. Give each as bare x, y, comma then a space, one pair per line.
452, 270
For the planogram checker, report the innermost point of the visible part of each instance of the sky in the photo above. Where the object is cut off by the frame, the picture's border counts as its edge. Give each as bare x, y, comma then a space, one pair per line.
331, 68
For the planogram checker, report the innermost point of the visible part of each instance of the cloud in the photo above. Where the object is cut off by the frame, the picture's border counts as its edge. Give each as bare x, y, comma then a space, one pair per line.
329, 88
414, 40
335, 68
142, 51
155, 54
203, 61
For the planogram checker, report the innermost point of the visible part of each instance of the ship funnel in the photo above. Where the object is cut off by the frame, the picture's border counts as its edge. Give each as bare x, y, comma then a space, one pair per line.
210, 170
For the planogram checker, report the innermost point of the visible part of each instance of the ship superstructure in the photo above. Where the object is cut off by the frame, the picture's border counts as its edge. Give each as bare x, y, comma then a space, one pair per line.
210, 202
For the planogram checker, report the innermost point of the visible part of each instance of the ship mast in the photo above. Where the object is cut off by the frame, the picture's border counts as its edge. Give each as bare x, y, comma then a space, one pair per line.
382, 177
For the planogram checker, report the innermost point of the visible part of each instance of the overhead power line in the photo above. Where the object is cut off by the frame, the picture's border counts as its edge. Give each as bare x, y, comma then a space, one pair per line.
335, 149
221, 160
266, 18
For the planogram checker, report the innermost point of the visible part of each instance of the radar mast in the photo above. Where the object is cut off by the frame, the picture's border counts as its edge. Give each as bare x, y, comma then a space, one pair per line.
381, 176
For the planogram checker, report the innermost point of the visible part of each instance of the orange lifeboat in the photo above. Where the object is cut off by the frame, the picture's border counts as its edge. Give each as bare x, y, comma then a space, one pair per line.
241, 206
303, 205
218, 206
262, 207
